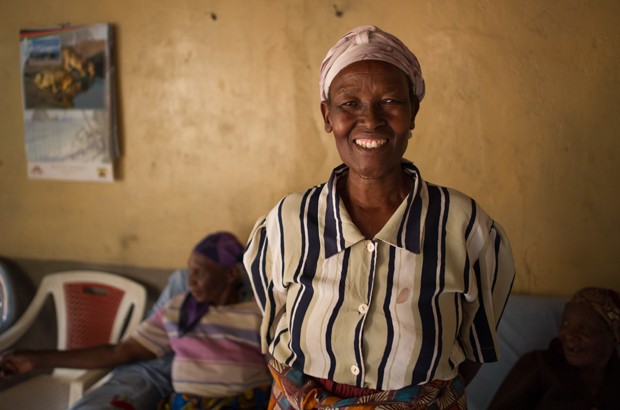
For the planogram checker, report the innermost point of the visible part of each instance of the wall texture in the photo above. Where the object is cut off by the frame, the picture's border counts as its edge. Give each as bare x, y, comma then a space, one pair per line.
219, 118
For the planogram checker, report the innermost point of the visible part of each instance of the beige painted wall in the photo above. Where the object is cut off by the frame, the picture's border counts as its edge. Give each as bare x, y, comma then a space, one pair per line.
219, 113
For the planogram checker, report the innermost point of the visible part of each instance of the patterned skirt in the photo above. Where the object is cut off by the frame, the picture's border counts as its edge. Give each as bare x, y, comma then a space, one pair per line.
252, 399
293, 390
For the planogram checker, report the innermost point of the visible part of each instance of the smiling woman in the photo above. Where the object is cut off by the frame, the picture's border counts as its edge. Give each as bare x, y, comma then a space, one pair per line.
376, 286
581, 367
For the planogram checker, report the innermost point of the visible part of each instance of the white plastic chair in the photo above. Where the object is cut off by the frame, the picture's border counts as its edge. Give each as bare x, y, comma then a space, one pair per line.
92, 308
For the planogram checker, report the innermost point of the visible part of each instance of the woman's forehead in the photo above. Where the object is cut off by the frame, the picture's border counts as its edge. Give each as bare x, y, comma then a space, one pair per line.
582, 310
371, 70
198, 260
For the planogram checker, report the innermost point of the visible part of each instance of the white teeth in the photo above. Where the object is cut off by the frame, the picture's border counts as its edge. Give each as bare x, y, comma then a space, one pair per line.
368, 143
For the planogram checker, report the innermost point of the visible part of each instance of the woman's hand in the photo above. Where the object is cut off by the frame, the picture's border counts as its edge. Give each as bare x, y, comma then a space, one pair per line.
13, 363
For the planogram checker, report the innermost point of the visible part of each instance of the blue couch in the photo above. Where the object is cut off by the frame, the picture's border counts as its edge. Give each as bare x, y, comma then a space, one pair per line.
529, 323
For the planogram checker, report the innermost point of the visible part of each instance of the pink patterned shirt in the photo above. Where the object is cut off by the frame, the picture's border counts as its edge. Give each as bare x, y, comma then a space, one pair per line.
219, 357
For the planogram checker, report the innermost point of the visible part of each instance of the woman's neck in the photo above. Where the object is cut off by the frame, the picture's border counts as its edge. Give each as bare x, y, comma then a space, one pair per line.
372, 202
593, 379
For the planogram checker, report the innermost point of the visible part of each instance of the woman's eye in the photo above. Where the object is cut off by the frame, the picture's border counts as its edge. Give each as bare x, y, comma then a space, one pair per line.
391, 101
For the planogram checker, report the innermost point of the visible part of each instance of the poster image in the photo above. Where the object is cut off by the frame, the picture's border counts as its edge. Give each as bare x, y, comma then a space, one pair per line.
69, 107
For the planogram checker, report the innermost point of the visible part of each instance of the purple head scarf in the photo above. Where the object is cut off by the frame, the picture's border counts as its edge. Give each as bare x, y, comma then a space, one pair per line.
221, 247
370, 43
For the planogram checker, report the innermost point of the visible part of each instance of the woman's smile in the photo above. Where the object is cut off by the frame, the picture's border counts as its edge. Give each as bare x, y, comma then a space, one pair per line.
370, 143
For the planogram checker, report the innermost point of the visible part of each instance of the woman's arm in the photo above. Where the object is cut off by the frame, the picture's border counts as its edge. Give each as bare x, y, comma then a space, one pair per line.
102, 356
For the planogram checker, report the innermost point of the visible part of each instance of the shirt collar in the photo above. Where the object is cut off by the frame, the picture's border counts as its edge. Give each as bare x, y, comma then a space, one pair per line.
403, 230
190, 313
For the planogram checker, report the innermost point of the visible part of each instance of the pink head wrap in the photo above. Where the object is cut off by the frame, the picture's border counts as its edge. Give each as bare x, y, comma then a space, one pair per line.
370, 43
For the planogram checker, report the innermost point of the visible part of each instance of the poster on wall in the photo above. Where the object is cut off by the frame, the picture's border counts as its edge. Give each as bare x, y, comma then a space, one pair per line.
69, 102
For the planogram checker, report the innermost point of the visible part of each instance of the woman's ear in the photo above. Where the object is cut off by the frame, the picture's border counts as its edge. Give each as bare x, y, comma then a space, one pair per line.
415, 107
230, 294
325, 113
234, 275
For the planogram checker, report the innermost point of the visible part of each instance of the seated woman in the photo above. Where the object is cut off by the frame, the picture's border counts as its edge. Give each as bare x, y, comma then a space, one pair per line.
581, 367
217, 360
141, 385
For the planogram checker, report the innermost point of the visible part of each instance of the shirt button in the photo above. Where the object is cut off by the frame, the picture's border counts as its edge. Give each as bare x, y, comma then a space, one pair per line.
355, 370
363, 308
370, 246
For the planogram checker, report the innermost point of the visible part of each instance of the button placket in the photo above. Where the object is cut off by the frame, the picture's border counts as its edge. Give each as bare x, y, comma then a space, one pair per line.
363, 308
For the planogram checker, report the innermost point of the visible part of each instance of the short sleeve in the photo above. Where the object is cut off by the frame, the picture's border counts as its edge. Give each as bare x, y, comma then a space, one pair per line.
152, 334
492, 274
261, 262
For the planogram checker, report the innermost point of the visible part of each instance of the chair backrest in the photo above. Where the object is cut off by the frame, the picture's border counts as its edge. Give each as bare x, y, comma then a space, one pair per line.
92, 308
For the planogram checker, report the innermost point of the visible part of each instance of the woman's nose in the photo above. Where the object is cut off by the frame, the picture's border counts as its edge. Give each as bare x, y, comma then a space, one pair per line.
568, 332
372, 116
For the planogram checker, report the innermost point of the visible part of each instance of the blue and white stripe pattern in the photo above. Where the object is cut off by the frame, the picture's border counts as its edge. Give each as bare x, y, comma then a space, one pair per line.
404, 308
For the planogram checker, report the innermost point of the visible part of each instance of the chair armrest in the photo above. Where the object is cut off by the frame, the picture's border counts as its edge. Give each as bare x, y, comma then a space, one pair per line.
81, 384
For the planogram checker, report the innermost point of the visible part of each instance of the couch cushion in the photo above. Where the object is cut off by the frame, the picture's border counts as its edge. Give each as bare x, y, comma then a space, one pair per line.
529, 323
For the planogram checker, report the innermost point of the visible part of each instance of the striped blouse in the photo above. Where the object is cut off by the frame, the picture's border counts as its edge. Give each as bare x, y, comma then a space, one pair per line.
219, 357
404, 308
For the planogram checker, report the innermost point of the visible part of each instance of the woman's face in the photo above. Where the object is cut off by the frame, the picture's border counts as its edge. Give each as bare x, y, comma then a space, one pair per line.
371, 115
207, 281
587, 341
